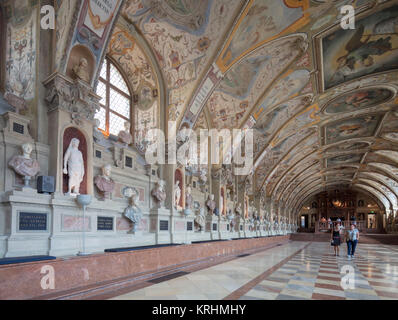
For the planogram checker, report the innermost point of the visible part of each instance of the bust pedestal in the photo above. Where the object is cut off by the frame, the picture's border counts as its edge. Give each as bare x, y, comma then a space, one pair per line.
160, 224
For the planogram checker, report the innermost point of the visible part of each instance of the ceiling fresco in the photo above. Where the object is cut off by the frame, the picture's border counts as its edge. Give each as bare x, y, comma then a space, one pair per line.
364, 126
369, 48
322, 101
360, 99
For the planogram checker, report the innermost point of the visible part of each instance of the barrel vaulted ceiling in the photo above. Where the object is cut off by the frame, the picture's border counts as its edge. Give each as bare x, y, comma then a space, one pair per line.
322, 101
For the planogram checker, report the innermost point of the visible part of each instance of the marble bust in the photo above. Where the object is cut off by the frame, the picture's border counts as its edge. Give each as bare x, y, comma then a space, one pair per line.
125, 135
80, 70
159, 193
24, 165
211, 204
74, 167
104, 182
133, 212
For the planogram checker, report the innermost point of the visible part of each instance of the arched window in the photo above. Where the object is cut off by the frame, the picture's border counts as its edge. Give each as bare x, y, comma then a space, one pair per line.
116, 100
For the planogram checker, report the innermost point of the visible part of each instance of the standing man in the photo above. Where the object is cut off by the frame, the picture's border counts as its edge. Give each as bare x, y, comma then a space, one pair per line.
352, 238
74, 167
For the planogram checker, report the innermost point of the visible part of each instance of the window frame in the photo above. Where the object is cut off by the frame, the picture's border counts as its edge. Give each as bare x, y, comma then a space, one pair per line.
108, 86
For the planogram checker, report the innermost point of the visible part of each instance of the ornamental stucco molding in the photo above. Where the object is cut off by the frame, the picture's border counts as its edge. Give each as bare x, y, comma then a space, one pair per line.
73, 96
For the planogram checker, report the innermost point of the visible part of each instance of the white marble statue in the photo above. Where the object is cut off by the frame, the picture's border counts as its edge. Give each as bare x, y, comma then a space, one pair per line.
177, 195
159, 193
211, 204
125, 135
74, 167
133, 212
188, 199
221, 205
24, 165
104, 182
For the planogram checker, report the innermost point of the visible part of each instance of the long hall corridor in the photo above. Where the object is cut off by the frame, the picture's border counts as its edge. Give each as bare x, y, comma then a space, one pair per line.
294, 271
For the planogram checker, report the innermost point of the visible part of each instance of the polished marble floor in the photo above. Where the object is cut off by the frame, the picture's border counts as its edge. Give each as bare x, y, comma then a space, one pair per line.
295, 271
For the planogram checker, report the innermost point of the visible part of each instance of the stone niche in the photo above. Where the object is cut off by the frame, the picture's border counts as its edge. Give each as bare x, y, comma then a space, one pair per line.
78, 53
179, 176
69, 134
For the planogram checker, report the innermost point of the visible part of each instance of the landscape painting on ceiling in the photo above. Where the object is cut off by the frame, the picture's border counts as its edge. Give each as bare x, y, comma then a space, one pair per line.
364, 126
372, 47
359, 100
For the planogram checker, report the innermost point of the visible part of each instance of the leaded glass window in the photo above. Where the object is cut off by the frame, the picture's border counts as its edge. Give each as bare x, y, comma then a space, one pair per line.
116, 99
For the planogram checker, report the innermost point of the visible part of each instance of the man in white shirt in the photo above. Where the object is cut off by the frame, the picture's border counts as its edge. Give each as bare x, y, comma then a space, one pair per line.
352, 238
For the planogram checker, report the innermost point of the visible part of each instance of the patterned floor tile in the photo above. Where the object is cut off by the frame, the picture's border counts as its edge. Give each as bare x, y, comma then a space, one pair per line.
308, 271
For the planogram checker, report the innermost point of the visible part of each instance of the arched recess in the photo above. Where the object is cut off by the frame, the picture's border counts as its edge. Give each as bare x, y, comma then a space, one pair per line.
390, 183
131, 54
298, 157
123, 41
303, 184
316, 183
298, 180
299, 147
295, 177
389, 154
387, 169
386, 203
380, 188
296, 209
311, 187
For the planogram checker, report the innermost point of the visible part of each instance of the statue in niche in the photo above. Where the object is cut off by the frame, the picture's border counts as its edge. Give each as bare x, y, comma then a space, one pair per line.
221, 204
211, 204
177, 195
80, 70
159, 193
24, 165
238, 210
200, 219
104, 182
125, 135
74, 167
133, 212
188, 199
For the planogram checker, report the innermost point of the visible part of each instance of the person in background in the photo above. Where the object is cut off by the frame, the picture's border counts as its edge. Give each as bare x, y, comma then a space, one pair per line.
352, 238
336, 239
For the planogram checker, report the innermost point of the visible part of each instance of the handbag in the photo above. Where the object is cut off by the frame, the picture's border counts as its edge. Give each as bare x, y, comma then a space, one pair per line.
332, 242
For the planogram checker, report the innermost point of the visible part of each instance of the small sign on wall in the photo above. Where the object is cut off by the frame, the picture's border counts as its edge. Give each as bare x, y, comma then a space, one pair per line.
32, 221
105, 224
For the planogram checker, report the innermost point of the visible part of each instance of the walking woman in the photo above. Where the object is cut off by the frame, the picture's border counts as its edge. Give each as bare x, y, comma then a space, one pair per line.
336, 239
